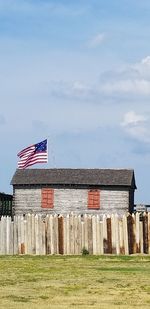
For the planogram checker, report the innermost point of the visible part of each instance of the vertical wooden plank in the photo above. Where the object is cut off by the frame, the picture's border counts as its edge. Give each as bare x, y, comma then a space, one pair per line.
149, 233
98, 234
52, 233
22, 235
94, 233
43, 237
48, 245
19, 234
121, 239
109, 235
104, 234
75, 235
145, 233
117, 233
141, 237
101, 229
113, 229
125, 234
40, 234
79, 235
25, 237
3, 235
11, 246
72, 240
33, 234
37, 249
82, 235
61, 234
16, 251
137, 232
7, 234
68, 234
90, 236
55, 230
131, 235
86, 231
134, 233
29, 232
65, 236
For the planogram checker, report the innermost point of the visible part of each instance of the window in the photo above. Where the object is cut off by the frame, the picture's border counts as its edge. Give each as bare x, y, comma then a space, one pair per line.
94, 199
47, 198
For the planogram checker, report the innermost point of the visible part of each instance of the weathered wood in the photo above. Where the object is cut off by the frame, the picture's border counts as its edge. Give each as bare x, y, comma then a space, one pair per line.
145, 233
125, 235
67, 235
104, 233
53, 234
98, 234
113, 225
101, 238
109, 235
16, 251
121, 238
90, 240
141, 237
94, 234
131, 235
117, 234
37, 245
148, 233
137, 225
86, 232
72, 242
70, 200
61, 234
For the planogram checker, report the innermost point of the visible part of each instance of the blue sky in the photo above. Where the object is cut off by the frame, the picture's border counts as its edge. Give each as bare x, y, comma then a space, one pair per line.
78, 72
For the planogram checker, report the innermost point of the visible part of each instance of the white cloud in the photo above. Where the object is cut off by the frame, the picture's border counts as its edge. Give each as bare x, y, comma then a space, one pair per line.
96, 40
131, 118
135, 87
136, 126
146, 61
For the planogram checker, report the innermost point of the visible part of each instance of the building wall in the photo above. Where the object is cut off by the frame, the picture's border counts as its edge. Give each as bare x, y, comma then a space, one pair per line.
28, 200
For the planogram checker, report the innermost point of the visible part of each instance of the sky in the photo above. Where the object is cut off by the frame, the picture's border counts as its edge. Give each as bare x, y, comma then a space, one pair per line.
77, 72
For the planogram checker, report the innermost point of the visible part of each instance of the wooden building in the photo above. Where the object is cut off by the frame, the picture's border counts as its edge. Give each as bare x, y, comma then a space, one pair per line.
80, 191
5, 204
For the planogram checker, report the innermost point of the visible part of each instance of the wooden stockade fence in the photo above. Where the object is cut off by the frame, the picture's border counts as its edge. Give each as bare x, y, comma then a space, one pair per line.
72, 234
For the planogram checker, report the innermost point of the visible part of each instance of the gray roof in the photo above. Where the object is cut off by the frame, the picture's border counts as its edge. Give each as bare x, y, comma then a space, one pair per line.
67, 176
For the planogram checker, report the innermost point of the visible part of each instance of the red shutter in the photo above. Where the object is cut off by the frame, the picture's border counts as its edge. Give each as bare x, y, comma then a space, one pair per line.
94, 199
47, 198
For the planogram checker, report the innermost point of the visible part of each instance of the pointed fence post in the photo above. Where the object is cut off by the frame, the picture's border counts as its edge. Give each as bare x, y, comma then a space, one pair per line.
121, 238
141, 237
105, 246
94, 233
109, 235
125, 235
137, 226
90, 235
148, 232
145, 233
61, 234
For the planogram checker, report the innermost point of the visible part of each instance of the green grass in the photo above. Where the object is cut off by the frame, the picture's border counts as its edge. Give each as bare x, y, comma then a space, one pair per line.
74, 282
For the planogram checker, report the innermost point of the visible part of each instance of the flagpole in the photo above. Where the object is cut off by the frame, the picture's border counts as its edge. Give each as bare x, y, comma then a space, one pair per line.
52, 151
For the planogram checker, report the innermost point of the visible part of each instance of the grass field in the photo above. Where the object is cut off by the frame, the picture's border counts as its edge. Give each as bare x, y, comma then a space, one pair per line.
74, 282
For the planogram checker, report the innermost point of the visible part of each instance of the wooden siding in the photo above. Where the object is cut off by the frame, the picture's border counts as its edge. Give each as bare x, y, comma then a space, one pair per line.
70, 200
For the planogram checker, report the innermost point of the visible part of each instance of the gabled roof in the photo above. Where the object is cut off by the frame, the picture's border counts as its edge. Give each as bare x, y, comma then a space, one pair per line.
67, 176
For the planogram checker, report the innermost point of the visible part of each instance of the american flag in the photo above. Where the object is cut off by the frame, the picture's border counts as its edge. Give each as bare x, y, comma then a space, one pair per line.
33, 154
